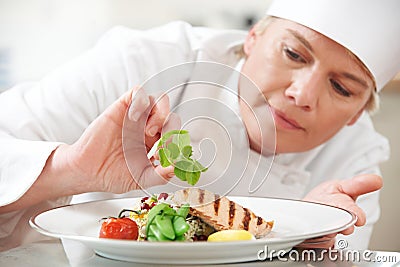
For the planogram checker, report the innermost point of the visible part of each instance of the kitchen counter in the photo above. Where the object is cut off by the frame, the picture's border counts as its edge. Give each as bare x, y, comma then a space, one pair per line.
71, 253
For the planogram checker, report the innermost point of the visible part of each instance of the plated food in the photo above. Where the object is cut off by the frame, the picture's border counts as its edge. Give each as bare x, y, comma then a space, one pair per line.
295, 221
186, 215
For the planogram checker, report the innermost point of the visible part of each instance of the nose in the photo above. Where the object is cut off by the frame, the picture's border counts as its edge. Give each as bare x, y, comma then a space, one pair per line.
304, 90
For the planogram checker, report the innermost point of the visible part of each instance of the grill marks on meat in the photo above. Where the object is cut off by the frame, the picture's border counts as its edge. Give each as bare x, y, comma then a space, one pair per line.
246, 219
231, 212
216, 206
222, 213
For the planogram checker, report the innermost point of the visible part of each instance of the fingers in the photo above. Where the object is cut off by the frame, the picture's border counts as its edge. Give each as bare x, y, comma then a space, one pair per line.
166, 173
361, 217
158, 115
151, 114
140, 102
348, 231
160, 119
327, 242
173, 122
344, 194
155, 176
361, 184
154, 111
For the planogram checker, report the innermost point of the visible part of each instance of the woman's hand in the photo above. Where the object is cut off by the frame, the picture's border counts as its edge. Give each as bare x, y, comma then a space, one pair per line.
101, 159
104, 154
342, 194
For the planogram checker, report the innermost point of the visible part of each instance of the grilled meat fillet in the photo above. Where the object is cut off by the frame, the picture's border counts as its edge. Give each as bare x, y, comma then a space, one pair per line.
222, 213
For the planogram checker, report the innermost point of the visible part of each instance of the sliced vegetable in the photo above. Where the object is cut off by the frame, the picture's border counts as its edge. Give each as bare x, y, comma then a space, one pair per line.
152, 238
183, 211
153, 212
180, 225
162, 222
158, 234
166, 224
180, 238
119, 228
230, 235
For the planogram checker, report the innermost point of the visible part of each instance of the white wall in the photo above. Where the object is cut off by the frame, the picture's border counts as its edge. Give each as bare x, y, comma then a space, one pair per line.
386, 234
38, 35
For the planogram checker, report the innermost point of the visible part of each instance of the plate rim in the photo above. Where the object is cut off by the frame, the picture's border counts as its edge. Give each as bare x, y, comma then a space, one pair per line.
272, 240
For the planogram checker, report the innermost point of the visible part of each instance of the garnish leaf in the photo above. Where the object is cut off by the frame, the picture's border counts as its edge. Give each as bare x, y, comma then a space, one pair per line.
167, 135
174, 150
193, 177
187, 151
186, 171
164, 155
181, 140
178, 152
199, 167
182, 168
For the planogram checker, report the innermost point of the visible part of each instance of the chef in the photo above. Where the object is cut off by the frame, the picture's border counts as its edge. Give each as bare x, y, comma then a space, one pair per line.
317, 65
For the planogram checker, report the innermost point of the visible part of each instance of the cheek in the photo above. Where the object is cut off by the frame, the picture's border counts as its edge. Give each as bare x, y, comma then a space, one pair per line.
267, 75
325, 128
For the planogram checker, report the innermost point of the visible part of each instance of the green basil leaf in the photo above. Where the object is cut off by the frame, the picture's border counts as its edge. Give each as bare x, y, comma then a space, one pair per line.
164, 138
187, 172
181, 140
199, 167
192, 177
184, 165
164, 155
187, 151
178, 153
174, 149
181, 169
180, 174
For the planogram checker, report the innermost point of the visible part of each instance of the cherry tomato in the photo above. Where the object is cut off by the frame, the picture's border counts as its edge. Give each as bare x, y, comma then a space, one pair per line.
119, 228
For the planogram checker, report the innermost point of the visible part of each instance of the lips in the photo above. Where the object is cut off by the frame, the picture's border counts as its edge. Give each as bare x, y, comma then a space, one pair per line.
283, 121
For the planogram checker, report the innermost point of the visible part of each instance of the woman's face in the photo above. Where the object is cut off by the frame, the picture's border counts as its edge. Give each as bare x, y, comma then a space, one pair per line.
311, 84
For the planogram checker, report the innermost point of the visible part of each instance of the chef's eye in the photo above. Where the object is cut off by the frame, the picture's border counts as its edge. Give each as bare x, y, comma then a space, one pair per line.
339, 89
293, 55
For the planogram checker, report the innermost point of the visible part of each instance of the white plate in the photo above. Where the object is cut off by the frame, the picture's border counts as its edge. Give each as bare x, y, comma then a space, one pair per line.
295, 221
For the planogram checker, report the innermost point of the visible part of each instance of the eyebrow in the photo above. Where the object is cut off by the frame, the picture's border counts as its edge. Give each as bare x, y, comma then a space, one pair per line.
355, 78
307, 44
301, 38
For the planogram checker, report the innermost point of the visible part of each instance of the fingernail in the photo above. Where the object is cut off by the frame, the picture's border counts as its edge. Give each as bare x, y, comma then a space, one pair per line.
136, 116
146, 102
153, 130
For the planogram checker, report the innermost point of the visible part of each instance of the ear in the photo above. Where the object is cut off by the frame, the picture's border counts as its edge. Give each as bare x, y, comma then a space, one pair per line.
249, 42
355, 118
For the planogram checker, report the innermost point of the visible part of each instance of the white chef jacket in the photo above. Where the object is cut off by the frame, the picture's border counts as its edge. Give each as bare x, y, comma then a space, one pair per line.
36, 117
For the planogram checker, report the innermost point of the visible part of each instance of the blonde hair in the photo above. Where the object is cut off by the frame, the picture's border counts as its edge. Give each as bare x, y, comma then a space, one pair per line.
372, 104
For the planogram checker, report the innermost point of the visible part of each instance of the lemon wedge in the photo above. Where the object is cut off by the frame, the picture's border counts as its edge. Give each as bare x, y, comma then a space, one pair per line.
230, 235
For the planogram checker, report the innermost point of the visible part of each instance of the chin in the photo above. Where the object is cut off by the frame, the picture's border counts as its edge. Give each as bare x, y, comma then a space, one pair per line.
281, 149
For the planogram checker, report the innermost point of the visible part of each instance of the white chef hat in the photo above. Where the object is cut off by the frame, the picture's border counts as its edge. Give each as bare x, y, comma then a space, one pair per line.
368, 28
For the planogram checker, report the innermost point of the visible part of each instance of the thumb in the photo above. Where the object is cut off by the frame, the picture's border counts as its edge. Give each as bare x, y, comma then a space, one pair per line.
361, 184
154, 176
173, 122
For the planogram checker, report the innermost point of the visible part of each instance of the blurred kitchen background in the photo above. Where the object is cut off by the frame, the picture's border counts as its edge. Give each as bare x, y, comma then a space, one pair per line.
38, 35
